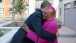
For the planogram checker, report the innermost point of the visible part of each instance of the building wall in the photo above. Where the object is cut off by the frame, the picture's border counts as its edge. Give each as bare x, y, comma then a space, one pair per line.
61, 13
6, 8
2, 7
64, 1
55, 3
70, 17
31, 6
61, 5
7, 5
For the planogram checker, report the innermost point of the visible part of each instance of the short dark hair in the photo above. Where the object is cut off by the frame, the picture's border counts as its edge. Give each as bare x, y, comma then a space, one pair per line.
45, 4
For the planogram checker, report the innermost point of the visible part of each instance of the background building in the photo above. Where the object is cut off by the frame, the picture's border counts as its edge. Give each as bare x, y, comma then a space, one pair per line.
5, 6
33, 5
67, 13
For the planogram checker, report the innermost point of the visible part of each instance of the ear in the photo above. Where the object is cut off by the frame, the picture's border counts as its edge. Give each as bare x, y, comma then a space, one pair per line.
52, 15
45, 8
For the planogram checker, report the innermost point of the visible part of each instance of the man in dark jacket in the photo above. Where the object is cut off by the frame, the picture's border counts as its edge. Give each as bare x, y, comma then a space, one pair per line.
34, 22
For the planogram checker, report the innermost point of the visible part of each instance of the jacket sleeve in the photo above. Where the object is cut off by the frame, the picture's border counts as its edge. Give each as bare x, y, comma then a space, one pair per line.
32, 35
36, 23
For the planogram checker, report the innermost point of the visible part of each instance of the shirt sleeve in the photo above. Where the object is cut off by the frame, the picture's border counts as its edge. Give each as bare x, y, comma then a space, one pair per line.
32, 35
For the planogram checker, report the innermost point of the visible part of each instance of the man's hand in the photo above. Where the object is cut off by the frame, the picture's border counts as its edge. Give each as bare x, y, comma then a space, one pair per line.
57, 34
25, 28
59, 26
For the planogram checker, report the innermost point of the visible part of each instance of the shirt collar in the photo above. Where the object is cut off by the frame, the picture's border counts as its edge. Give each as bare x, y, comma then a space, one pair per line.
49, 18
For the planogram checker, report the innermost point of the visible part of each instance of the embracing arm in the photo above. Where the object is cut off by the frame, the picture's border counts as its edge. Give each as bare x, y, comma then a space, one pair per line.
36, 23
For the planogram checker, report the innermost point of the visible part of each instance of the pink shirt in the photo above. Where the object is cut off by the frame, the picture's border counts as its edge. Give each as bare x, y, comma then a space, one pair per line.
49, 25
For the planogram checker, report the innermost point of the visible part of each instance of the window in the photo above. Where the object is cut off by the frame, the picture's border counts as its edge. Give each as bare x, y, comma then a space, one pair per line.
1, 10
39, 0
60, 0
75, 4
43, 0
66, 6
60, 11
27, 1
46, 0
49, 0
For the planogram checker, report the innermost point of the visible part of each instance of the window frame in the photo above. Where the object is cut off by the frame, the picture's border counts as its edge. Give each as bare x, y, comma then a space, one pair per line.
74, 4
66, 6
2, 10
42, 0
60, 0
59, 11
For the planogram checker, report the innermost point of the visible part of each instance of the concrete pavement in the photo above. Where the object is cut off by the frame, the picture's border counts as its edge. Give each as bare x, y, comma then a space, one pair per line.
66, 40
66, 31
66, 35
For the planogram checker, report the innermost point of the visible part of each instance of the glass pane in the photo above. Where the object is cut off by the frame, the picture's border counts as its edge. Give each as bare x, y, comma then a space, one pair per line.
38, 0
74, 3
46, 0
67, 5
1, 10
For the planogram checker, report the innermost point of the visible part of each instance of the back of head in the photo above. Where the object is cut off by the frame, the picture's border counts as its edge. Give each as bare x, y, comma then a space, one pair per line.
45, 4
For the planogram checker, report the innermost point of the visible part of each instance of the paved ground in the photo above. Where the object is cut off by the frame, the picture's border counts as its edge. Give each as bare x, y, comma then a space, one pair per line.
67, 40
67, 35
1, 20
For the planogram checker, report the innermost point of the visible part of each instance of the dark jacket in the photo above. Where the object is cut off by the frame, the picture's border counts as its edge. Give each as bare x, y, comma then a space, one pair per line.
34, 22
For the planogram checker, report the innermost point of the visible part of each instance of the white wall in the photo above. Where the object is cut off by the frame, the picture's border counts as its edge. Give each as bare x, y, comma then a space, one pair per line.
31, 6
1, 6
38, 4
61, 17
56, 5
